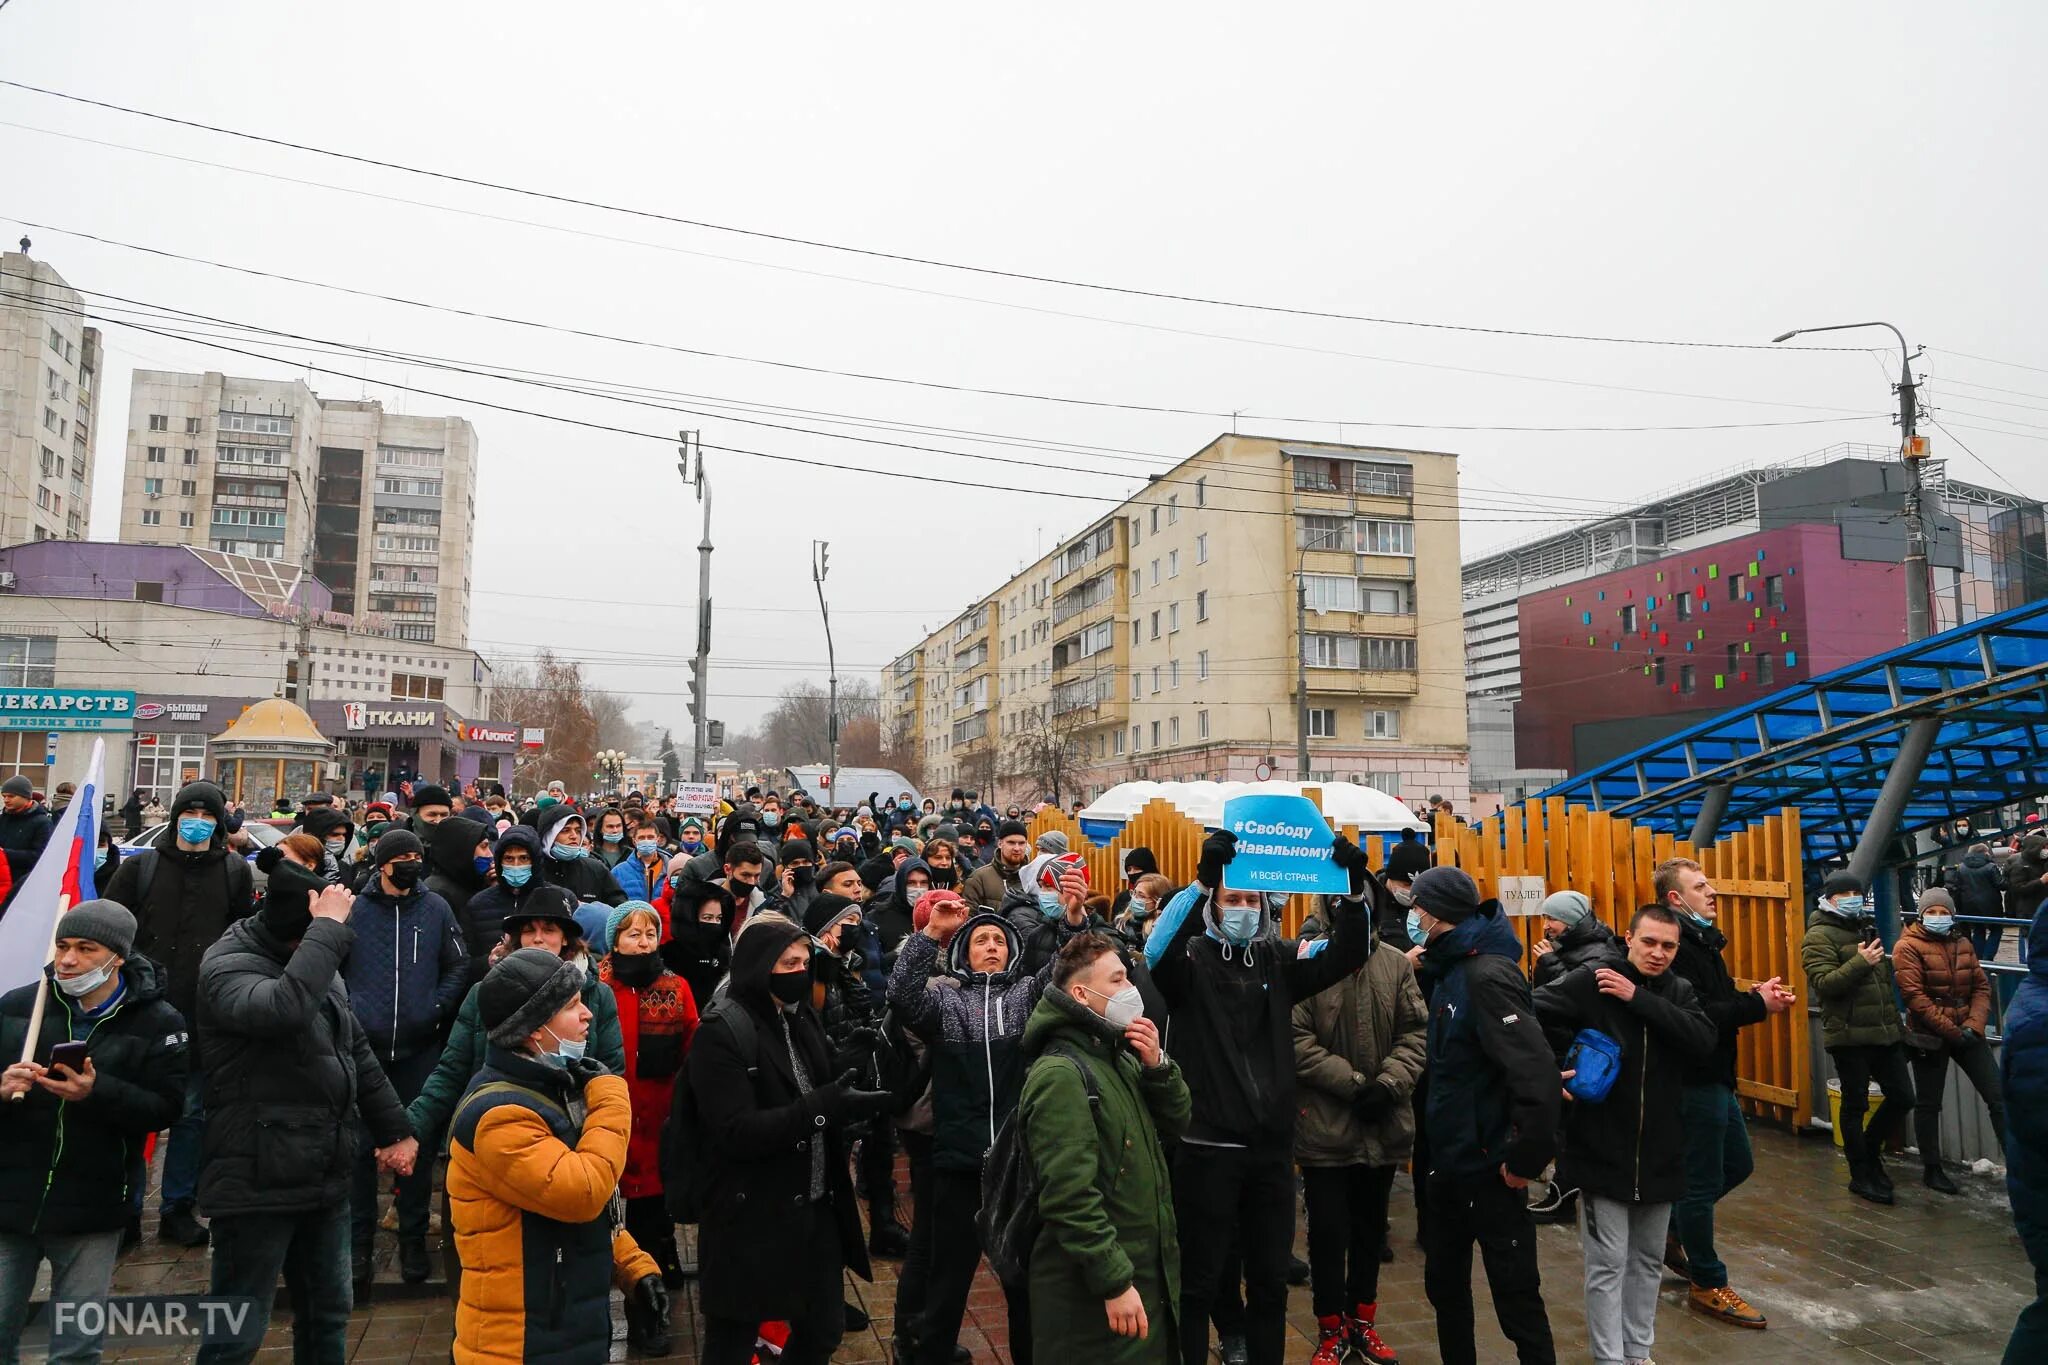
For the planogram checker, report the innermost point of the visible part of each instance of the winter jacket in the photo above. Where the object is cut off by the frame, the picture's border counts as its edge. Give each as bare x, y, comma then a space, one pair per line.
656, 1023
1945, 989
1372, 1026
974, 1024
1588, 943
1700, 964
193, 898
586, 878
531, 1186
1631, 1146
890, 912
2025, 888
407, 972
1105, 1192
463, 1056
631, 875
986, 886
498, 902
699, 953
1493, 1083
71, 1167
1856, 1003
452, 875
1976, 885
1232, 1005
22, 836
2023, 1073
288, 1069
1042, 935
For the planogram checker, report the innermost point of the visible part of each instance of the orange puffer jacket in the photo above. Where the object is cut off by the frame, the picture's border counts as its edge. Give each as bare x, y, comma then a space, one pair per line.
1944, 986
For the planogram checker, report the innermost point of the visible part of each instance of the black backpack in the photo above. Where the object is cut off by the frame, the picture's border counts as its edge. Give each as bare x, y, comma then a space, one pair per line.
1009, 1220
685, 1167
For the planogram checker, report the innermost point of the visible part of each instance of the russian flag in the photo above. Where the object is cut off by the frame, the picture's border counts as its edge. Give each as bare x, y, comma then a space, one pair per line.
62, 877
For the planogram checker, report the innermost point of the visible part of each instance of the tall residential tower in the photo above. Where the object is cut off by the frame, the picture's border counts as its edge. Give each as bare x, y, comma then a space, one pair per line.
49, 361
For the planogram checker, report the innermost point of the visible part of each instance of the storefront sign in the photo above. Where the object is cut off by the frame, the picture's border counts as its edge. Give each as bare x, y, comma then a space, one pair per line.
1283, 844
66, 708
183, 712
534, 739
358, 716
489, 734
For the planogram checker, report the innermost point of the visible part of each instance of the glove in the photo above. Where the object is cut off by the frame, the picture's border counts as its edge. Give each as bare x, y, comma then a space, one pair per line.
1352, 859
584, 1070
1374, 1101
1217, 851
647, 1324
864, 1041
650, 1295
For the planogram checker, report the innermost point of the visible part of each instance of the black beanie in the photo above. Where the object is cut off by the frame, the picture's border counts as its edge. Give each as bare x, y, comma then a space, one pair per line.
1446, 893
204, 795
396, 843
525, 990
431, 795
1010, 827
1841, 882
1405, 861
1140, 861
824, 909
288, 900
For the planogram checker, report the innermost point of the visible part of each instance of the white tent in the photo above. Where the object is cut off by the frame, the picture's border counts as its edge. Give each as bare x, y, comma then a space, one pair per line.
1371, 810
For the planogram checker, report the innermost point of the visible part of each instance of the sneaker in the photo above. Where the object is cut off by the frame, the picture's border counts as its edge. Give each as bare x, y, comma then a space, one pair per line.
1674, 1259
1232, 1351
1939, 1181
1725, 1305
1560, 1205
1331, 1340
179, 1227
1365, 1338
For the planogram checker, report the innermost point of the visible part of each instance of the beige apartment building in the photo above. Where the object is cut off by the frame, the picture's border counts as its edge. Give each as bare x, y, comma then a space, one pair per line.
382, 504
1166, 639
49, 363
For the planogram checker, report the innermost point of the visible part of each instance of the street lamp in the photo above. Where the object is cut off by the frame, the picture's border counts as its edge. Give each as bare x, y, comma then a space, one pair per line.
611, 765
1919, 611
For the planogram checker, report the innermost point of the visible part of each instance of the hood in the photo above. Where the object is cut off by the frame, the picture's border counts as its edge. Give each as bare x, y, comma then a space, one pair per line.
1975, 859
544, 823
1587, 933
687, 900
956, 951
1486, 931
901, 877
753, 958
521, 836
202, 794
451, 850
1056, 1013
146, 980
322, 821
1142, 860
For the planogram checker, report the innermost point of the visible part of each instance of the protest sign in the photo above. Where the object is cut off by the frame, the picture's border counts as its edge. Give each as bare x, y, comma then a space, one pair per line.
1283, 846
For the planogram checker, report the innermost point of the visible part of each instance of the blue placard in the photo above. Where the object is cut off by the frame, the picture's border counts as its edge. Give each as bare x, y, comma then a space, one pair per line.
1283, 845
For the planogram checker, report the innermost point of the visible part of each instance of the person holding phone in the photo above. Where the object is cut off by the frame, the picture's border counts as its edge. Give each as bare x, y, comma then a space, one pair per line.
110, 1068
1850, 973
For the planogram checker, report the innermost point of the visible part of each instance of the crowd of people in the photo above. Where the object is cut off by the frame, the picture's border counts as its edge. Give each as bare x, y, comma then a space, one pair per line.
610, 1018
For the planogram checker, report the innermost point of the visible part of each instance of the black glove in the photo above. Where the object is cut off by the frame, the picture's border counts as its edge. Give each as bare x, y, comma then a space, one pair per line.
1374, 1101
647, 1324
864, 1041
1352, 859
584, 1070
1217, 851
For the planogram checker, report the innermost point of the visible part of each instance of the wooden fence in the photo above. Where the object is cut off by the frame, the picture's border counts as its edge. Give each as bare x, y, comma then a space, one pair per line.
1756, 872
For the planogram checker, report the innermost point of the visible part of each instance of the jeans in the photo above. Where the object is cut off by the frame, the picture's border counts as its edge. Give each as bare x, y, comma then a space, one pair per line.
1717, 1159
81, 1268
1930, 1079
250, 1251
956, 1253
414, 1193
1347, 1222
1857, 1067
1624, 1246
1225, 1198
914, 1279
1482, 1209
1985, 938
181, 1150
814, 1336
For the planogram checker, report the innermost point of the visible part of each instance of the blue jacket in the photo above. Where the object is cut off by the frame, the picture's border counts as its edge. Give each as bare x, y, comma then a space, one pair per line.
407, 971
2023, 1069
631, 875
1493, 1080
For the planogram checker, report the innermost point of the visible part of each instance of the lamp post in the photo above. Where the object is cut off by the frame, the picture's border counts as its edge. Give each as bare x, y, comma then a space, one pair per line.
611, 766
1919, 611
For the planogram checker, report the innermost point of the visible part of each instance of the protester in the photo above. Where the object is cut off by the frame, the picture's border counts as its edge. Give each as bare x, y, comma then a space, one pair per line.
1573, 937
1491, 1118
184, 894
568, 864
1948, 1005
1358, 1052
460, 863
25, 825
1977, 887
2026, 873
987, 886
537, 1147
2023, 1075
68, 1134
431, 804
1405, 861
131, 812
699, 945
1717, 1150
610, 846
644, 875
1106, 1267
288, 1070
1143, 901
1849, 972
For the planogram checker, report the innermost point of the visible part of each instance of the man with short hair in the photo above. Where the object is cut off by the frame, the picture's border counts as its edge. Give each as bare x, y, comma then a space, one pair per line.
742, 881
1717, 1151
1625, 1153
431, 804
25, 827
1849, 971
643, 875
988, 884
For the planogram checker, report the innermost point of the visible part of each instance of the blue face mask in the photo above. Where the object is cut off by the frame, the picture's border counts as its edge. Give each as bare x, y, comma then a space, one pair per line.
1048, 903
902, 805
1850, 907
99, 859
1938, 924
516, 876
1701, 920
1416, 935
615, 836
565, 1051
563, 853
1240, 925
483, 863
195, 829
646, 848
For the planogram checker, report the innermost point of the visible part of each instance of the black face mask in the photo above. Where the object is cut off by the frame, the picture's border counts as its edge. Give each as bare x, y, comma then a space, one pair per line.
790, 987
802, 877
637, 970
404, 876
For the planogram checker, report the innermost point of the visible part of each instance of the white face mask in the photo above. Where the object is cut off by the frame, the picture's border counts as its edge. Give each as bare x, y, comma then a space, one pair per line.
1123, 1007
85, 983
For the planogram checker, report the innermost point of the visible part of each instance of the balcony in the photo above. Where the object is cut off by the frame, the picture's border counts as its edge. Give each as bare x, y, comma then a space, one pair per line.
244, 500
385, 585
1355, 682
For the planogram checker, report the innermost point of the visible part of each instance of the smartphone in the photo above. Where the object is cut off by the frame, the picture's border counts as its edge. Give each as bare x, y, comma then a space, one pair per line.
70, 1055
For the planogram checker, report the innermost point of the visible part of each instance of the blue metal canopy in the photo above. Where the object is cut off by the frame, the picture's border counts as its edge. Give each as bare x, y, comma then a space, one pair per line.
1827, 746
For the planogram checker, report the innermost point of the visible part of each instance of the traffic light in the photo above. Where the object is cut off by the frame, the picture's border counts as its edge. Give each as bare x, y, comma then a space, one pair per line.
714, 733
696, 690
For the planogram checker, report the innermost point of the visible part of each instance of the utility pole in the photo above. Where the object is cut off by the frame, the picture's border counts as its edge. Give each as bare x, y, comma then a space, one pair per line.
305, 612
1301, 669
1912, 450
820, 555
700, 664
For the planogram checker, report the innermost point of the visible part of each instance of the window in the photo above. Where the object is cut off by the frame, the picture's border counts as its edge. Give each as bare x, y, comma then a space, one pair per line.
186, 488
159, 422
1388, 654
191, 456
1173, 509
153, 487
1390, 783
1173, 729
1383, 654
1379, 537
1155, 680
168, 761
185, 520
1137, 685
1657, 669
1322, 722
1383, 725
1735, 581
1734, 660
414, 687
1685, 678
1201, 492
29, 661
1202, 549
1329, 592
1119, 741
1201, 725
1137, 630
1155, 625
1137, 531
1173, 563
1173, 672
152, 518
1763, 670
42, 497
155, 455
1137, 582
191, 426
1320, 532
1155, 573
1628, 619
1137, 741
1201, 664
1155, 734
1682, 604
149, 592
1202, 605
1172, 617
1774, 591
1155, 519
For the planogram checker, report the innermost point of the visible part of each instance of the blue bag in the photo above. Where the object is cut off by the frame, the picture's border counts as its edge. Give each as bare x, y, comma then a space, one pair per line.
1596, 1060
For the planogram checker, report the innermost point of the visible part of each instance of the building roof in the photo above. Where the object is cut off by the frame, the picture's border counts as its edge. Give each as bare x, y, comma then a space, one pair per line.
272, 721
1827, 746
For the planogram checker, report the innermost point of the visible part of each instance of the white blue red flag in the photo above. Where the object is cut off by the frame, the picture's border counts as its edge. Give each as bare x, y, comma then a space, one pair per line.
61, 876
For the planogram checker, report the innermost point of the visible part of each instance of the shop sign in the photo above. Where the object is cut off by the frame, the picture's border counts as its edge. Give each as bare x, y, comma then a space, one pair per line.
66, 708
534, 739
356, 715
489, 734
182, 712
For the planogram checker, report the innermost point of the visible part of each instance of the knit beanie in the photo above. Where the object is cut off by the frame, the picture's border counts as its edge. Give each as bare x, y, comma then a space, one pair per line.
107, 923
921, 913
1933, 898
1841, 882
1010, 827
616, 920
396, 843
525, 990
1139, 862
826, 910
1052, 841
431, 795
1406, 860
1566, 907
17, 786
1446, 893
287, 910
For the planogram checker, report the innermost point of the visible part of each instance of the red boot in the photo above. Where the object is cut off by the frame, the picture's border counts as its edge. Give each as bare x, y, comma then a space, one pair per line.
1330, 1341
1365, 1340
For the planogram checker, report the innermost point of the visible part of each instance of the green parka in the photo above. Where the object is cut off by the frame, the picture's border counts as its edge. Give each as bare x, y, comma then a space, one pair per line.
1857, 1006
1104, 1190
1371, 1026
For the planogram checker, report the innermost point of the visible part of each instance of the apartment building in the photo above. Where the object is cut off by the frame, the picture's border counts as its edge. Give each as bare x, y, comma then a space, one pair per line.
49, 361
382, 505
1164, 638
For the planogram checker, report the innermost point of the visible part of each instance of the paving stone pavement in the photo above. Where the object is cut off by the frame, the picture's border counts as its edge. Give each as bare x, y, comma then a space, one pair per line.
1934, 1278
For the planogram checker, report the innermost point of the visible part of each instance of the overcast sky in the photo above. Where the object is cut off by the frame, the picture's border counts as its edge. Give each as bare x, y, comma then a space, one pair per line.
1708, 173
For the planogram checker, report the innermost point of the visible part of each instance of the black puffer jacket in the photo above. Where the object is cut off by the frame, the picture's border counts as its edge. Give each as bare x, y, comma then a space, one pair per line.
288, 1068
2025, 888
1588, 943
1699, 963
585, 878
69, 1168
1976, 885
500, 901
452, 875
22, 836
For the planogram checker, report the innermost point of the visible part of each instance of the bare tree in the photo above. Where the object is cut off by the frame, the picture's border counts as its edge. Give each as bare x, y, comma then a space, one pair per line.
1045, 753
797, 730
548, 693
902, 750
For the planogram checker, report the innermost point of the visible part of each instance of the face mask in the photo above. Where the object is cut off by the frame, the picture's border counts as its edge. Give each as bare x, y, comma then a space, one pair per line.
1416, 935
914, 894
404, 876
1140, 909
516, 876
337, 846
903, 805
483, 865
565, 853
1240, 925
565, 1051
1403, 898
1120, 1009
790, 987
771, 818
99, 859
615, 836
1048, 903
195, 829
1849, 907
1937, 924
87, 982
1701, 920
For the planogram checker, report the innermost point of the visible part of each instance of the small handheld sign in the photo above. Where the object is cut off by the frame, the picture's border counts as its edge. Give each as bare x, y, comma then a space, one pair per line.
1283, 845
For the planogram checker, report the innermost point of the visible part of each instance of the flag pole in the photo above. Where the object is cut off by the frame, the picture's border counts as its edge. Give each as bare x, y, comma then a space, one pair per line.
35, 1016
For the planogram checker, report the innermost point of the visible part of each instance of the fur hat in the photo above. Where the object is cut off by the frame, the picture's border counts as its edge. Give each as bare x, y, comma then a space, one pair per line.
525, 990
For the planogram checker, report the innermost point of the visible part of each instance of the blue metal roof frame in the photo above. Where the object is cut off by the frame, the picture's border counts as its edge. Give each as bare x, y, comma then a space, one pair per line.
1826, 746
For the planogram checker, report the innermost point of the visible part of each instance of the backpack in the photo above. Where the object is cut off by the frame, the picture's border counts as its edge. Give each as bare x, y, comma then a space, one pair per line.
1595, 1059
234, 868
685, 1164
1009, 1220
